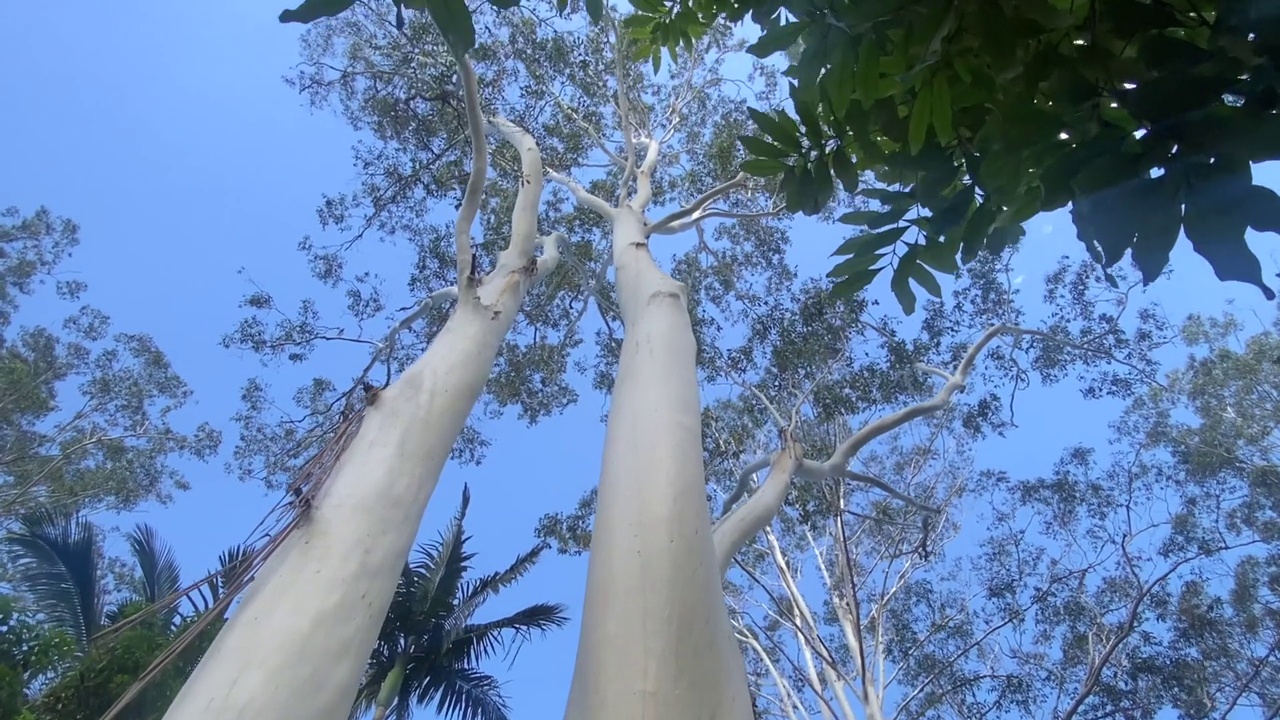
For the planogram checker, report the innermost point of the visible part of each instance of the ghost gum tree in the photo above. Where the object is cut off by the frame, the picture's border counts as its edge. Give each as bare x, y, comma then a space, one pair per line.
835, 378
850, 606
568, 89
1134, 581
338, 568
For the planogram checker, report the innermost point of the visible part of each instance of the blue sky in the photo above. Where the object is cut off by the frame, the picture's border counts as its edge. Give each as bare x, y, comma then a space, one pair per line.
166, 132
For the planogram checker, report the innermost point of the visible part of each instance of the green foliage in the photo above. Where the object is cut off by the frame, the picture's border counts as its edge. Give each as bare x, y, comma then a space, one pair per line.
1144, 115
31, 652
77, 660
410, 165
430, 648
84, 412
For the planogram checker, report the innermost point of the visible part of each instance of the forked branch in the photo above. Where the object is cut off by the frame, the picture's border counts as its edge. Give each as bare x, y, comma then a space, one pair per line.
761, 512
698, 204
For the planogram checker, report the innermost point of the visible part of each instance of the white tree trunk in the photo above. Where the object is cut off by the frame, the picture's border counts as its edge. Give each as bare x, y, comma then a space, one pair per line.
656, 641
298, 644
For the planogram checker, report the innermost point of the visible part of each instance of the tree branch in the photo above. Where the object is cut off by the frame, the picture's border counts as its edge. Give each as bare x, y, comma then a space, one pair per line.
644, 178
698, 204
524, 217
479, 168
586, 127
744, 483
550, 259
433, 300
742, 523
580, 194
624, 114
882, 426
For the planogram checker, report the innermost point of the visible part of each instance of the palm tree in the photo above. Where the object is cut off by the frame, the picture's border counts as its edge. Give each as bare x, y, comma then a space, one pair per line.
430, 650
59, 563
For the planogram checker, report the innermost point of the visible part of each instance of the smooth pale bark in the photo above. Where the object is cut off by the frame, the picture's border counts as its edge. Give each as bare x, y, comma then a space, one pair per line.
298, 644
744, 522
656, 640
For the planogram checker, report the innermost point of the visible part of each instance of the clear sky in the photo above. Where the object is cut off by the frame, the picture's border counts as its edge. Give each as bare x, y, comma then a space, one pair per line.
166, 132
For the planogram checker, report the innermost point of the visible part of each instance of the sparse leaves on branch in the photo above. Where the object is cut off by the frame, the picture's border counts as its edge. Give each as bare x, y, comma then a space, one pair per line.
85, 418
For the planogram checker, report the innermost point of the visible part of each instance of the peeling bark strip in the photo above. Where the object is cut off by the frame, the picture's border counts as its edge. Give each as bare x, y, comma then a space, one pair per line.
297, 645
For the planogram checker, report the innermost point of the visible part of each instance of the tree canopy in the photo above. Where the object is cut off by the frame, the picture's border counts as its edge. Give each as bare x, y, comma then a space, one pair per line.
84, 410
1144, 116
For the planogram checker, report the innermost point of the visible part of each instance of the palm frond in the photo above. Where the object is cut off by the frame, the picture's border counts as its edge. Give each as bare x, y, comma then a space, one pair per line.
477, 592
157, 563
57, 562
464, 693
441, 566
233, 564
477, 642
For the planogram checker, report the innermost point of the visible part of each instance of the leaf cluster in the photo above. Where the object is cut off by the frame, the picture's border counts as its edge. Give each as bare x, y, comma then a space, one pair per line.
1144, 115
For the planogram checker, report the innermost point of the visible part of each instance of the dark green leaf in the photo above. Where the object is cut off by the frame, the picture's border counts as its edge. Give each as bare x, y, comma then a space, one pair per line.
976, 231
595, 10
777, 39
648, 7
1158, 228
505, 4
925, 279
845, 170
921, 116
453, 18
312, 10
760, 167
940, 256
1262, 208
1002, 237
854, 265
823, 189
858, 217
867, 72
839, 77
870, 242
854, 283
1215, 224
900, 284
955, 211
762, 148
783, 132
887, 217
894, 198
941, 99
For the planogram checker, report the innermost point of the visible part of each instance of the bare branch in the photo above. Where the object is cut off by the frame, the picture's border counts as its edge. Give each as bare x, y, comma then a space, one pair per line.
524, 218
550, 259
584, 198
479, 168
693, 221
586, 127
955, 382
434, 300
744, 483
644, 178
742, 523
624, 114
699, 203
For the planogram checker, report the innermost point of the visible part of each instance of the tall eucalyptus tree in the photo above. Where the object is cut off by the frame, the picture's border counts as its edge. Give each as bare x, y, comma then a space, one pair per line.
820, 553
359, 501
